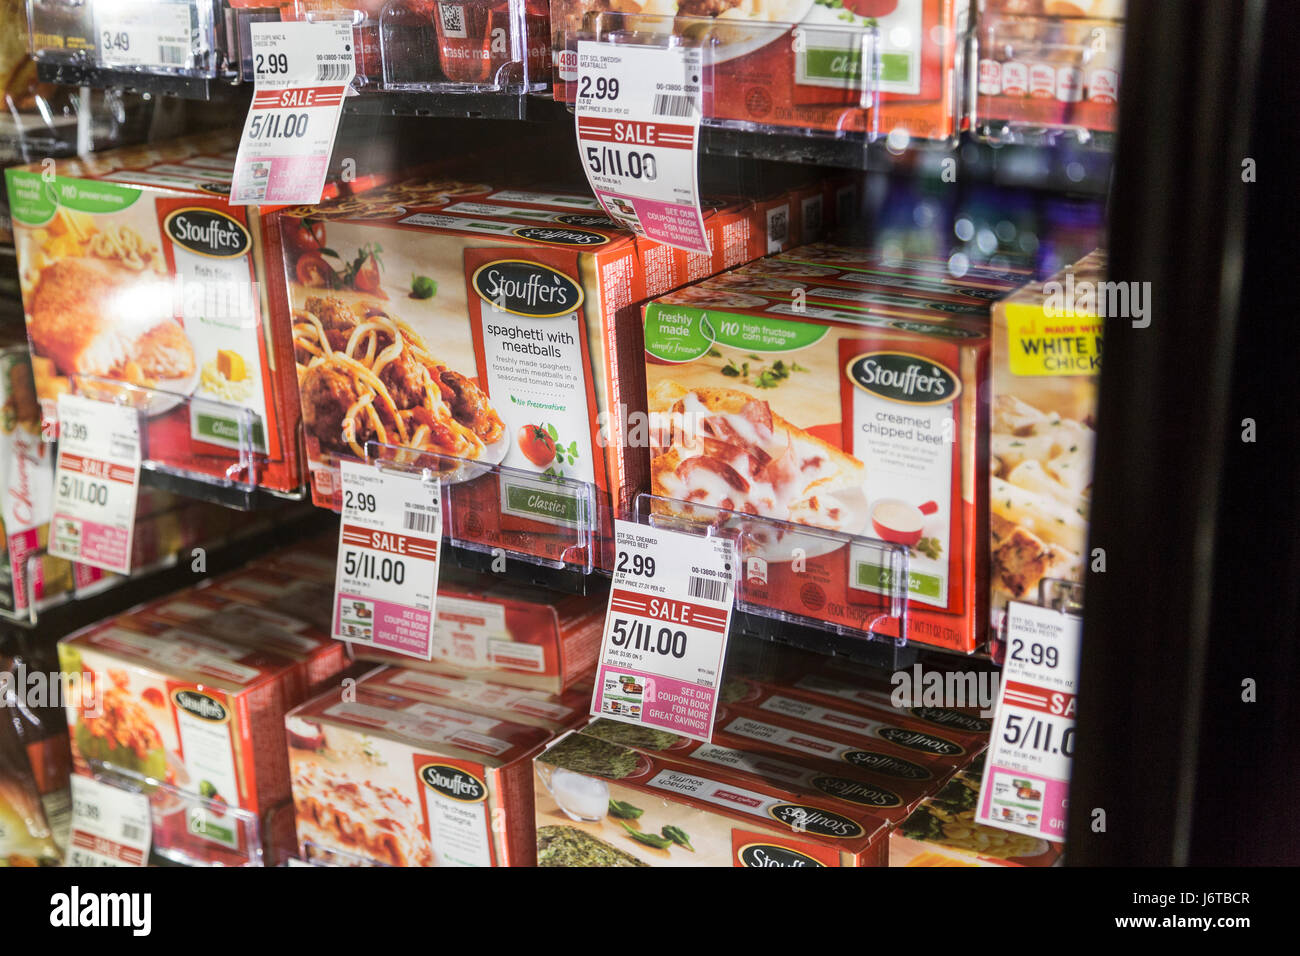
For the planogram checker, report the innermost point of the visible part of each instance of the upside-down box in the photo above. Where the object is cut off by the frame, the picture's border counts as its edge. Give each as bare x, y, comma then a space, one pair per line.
602, 804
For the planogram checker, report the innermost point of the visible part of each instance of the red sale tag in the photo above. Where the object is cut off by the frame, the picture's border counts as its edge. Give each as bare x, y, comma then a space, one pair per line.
666, 630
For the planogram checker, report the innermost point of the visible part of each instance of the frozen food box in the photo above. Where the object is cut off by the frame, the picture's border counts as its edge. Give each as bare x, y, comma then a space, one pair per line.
409, 783
508, 633
26, 486
285, 591
944, 733
1046, 362
553, 712
136, 270
246, 623
602, 804
837, 419
797, 64
205, 717
890, 797
925, 277
480, 339
942, 832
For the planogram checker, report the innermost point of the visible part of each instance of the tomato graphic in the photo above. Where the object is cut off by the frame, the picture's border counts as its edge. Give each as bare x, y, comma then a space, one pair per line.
367, 277
306, 236
537, 445
152, 696
315, 272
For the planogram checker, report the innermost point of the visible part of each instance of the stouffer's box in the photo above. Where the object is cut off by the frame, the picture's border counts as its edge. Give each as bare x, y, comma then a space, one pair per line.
403, 782
135, 269
553, 712
192, 711
797, 64
492, 325
865, 418
508, 633
603, 804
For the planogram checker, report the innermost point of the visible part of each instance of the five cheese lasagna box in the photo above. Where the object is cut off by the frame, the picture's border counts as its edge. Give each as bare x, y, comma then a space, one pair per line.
401, 782
865, 420
135, 269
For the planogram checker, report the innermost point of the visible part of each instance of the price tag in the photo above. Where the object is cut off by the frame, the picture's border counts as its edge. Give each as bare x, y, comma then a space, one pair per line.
301, 74
144, 33
666, 630
638, 120
110, 826
1027, 771
96, 481
387, 577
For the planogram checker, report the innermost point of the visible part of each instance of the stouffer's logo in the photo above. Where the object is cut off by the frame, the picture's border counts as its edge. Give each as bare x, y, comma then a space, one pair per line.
903, 377
887, 764
454, 783
208, 232
769, 854
199, 705
590, 221
915, 740
803, 819
527, 288
863, 794
953, 718
556, 236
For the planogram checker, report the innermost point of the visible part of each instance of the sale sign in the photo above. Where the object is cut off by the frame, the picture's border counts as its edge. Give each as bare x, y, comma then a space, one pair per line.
666, 630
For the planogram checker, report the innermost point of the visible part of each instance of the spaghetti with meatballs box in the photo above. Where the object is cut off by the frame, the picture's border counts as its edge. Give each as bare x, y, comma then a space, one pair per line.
135, 269
478, 337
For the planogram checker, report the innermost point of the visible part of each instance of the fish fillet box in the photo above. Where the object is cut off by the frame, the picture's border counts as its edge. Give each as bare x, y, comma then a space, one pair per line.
135, 269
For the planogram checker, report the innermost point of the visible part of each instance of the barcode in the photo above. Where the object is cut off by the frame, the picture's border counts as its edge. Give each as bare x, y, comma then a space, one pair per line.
666, 104
778, 225
707, 588
172, 54
419, 521
453, 19
331, 71
131, 831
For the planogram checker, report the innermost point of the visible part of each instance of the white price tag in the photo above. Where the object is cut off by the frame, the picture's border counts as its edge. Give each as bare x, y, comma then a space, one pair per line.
387, 577
666, 630
1027, 771
96, 481
302, 71
638, 120
144, 33
110, 826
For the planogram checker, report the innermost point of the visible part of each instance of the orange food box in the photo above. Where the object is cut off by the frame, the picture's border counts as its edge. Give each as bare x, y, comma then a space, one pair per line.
799, 64
862, 422
400, 782
553, 712
135, 269
204, 717
508, 633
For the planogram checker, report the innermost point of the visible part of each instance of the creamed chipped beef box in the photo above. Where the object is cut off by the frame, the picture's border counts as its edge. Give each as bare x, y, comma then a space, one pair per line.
863, 419
402, 782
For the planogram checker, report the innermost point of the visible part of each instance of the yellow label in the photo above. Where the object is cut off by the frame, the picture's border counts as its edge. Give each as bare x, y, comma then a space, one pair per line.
1057, 345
